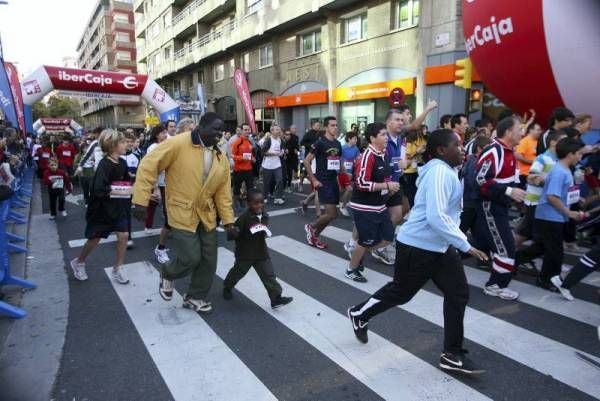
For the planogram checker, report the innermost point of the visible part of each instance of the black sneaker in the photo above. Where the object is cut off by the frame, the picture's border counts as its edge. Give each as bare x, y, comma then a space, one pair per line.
355, 275
454, 363
227, 293
280, 301
361, 328
547, 285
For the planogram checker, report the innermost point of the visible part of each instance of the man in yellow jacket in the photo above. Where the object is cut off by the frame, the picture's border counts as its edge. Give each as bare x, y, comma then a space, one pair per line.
198, 191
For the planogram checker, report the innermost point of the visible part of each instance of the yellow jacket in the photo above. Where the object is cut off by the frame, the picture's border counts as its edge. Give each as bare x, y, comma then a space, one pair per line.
190, 199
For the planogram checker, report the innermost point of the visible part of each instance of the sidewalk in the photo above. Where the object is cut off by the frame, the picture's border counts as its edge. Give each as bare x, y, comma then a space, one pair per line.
31, 348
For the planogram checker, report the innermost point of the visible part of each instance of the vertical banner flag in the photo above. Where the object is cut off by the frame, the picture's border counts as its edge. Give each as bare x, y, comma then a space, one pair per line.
241, 86
7, 104
201, 99
15, 87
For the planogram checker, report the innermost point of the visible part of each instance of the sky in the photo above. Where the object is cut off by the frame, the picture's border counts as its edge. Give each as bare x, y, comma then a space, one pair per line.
42, 32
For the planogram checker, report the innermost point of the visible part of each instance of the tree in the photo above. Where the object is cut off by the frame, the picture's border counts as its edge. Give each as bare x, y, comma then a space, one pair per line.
63, 107
39, 110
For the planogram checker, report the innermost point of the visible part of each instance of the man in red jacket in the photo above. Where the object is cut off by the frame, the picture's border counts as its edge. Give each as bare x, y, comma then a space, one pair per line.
242, 153
66, 155
58, 182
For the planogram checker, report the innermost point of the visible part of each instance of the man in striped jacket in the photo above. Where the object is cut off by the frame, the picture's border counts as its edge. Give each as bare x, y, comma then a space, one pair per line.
497, 176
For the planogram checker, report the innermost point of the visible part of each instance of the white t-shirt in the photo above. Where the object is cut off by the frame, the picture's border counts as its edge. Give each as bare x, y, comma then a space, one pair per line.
272, 162
161, 177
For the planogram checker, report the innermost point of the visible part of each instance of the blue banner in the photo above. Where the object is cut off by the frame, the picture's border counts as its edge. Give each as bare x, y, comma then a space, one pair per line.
172, 114
28, 119
7, 102
201, 99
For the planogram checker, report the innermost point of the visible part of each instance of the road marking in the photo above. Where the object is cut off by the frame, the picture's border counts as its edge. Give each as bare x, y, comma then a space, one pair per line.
192, 359
385, 368
578, 309
542, 354
76, 243
74, 199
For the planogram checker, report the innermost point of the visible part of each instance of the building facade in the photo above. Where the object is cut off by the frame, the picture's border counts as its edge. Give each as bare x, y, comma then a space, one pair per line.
304, 59
108, 44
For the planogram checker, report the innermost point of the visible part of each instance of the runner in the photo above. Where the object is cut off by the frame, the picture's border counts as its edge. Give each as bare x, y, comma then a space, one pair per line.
242, 153
272, 150
66, 155
371, 217
427, 249
327, 152
350, 153
497, 178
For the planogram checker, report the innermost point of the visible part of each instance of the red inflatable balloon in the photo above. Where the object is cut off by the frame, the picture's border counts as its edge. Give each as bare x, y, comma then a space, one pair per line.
537, 54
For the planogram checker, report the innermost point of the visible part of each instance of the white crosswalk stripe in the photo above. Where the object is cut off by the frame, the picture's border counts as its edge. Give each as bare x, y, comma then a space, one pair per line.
582, 311
542, 354
387, 369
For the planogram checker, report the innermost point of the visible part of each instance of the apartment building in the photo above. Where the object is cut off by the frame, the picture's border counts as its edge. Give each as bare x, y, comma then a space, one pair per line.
108, 44
304, 59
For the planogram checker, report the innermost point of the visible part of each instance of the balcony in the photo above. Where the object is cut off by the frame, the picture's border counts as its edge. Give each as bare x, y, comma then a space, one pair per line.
117, 44
199, 10
121, 26
138, 6
120, 63
122, 5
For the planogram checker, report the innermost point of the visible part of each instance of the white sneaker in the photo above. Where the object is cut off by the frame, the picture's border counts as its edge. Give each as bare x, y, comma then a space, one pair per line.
52, 217
64, 213
147, 230
197, 305
79, 270
557, 282
119, 276
130, 244
344, 211
162, 255
278, 201
502, 293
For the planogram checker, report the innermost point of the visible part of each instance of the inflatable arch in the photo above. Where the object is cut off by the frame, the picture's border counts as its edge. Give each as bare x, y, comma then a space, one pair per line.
98, 84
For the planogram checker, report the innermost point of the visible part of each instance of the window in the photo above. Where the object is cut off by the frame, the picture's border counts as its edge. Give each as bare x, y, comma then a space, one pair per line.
200, 76
167, 18
254, 5
219, 72
155, 30
265, 56
176, 88
309, 43
124, 56
167, 53
156, 59
245, 61
355, 28
122, 37
231, 67
406, 14
121, 17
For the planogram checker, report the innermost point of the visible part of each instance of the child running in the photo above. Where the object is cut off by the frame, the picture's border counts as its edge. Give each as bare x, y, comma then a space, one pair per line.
251, 250
109, 206
58, 182
426, 249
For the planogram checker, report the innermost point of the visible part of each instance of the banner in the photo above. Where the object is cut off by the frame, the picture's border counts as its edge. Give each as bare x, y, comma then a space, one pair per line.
241, 86
6, 98
15, 87
98, 95
188, 106
201, 99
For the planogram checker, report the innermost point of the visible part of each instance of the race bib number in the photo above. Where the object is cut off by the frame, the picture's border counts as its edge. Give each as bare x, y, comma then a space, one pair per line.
46, 155
120, 190
348, 166
67, 153
573, 195
385, 192
57, 182
333, 163
517, 176
257, 228
247, 156
395, 164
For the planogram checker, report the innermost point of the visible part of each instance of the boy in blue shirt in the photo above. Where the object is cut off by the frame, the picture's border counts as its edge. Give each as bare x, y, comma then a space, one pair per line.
553, 212
350, 153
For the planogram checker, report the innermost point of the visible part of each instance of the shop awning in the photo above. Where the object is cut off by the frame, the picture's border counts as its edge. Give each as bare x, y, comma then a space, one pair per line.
298, 99
374, 91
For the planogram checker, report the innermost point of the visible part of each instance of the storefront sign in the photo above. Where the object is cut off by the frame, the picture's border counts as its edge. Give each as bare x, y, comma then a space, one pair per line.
374, 91
298, 99
151, 120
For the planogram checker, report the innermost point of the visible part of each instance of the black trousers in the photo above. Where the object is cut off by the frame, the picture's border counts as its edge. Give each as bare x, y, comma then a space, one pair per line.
264, 269
56, 196
467, 219
548, 241
586, 265
413, 269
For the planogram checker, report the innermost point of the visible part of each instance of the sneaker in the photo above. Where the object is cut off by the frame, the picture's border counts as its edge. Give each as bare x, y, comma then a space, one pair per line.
317, 243
52, 217
79, 270
502, 293
280, 301
310, 234
197, 305
64, 213
349, 248
278, 201
147, 230
382, 256
528, 268
119, 276
360, 327
361, 265
355, 275
162, 255
454, 363
227, 293
557, 282
130, 244
547, 285
165, 288
220, 229
344, 211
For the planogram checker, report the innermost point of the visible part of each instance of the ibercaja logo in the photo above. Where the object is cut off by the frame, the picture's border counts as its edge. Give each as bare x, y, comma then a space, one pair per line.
32, 87
159, 95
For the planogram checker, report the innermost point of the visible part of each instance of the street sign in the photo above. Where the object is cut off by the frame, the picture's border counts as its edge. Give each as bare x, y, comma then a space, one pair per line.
151, 120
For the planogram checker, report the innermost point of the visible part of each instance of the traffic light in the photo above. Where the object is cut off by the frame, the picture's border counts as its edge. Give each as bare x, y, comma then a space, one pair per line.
463, 73
475, 100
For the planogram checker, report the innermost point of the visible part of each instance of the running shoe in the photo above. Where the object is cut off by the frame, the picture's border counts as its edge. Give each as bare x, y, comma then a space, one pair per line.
360, 327
310, 234
355, 275
64, 213
197, 305
547, 285
165, 288
382, 256
565, 292
130, 244
454, 363
52, 217
162, 255
278, 201
79, 270
502, 293
280, 301
344, 211
119, 276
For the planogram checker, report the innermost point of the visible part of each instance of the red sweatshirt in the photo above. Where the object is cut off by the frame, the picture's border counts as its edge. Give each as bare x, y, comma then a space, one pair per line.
57, 180
66, 154
44, 154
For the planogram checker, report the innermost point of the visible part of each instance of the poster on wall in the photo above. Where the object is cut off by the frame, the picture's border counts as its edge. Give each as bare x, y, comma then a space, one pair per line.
362, 123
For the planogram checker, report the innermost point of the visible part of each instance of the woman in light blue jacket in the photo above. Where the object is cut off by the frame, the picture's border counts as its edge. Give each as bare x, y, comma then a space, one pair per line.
427, 248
